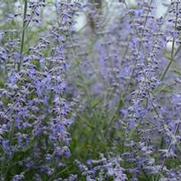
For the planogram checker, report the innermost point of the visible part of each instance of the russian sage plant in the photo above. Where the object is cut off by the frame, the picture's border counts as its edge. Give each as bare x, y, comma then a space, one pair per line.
97, 102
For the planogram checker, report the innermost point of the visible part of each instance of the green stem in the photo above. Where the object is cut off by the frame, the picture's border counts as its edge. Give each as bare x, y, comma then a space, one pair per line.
169, 148
23, 33
172, 51
166, 69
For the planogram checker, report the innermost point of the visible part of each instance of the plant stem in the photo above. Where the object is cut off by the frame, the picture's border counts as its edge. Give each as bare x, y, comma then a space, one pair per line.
169, 148
172, 51
23, 33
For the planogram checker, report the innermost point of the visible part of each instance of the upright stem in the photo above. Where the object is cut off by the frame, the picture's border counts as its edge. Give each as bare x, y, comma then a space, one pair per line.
139, 48
23, 33
173, 48
169, 148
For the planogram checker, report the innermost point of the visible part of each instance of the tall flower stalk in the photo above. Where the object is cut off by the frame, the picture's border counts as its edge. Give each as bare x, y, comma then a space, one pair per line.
23, 34
172, 56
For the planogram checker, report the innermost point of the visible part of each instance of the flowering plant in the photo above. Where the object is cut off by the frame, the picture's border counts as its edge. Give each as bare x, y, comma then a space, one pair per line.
97, 102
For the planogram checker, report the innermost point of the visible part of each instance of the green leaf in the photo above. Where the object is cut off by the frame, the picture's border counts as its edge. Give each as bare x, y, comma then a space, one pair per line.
37, 64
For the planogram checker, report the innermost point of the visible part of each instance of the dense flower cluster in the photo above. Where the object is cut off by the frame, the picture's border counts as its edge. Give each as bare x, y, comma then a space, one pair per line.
99, 103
